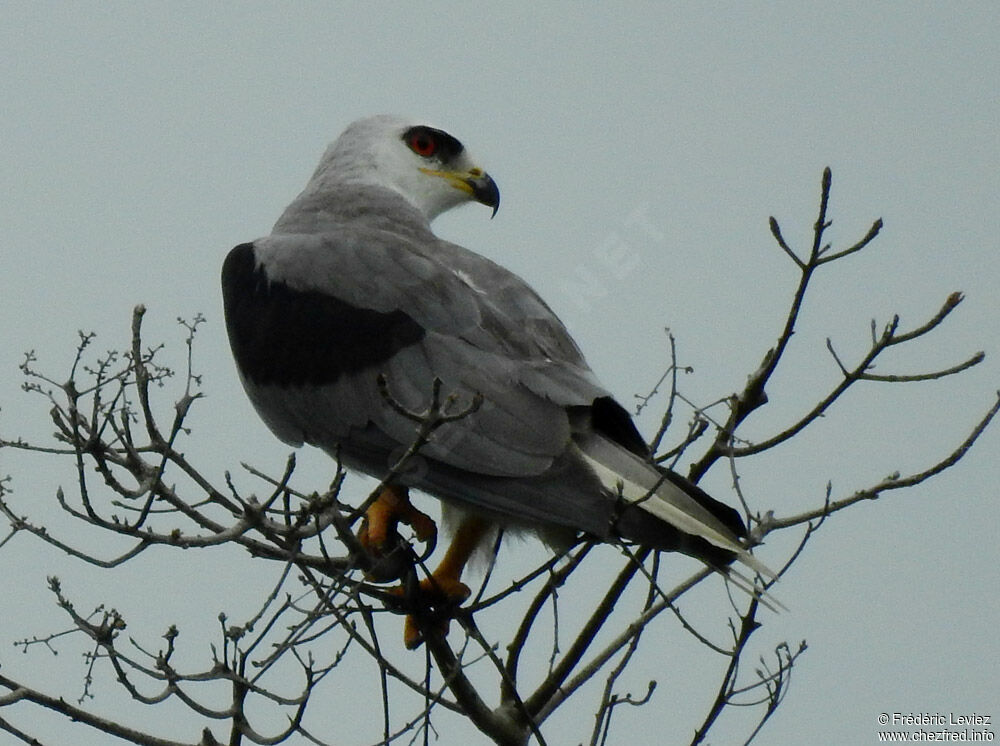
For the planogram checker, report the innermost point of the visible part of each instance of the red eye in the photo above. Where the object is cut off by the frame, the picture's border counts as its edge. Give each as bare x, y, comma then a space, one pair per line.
423, 144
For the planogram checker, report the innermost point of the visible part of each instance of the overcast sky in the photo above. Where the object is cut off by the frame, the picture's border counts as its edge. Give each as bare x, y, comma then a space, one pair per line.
639, 149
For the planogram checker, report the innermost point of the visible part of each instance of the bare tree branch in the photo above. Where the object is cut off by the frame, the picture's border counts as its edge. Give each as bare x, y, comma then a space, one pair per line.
892, 482
326, 606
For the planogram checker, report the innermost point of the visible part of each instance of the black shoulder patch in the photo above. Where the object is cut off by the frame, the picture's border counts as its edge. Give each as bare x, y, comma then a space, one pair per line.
610, 419
289, 337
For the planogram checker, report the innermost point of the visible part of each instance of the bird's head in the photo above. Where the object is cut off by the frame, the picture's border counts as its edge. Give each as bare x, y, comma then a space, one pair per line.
426, 165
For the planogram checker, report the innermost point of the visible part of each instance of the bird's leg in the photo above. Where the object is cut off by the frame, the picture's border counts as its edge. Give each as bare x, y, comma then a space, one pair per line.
446, 580
444, 586
391, 507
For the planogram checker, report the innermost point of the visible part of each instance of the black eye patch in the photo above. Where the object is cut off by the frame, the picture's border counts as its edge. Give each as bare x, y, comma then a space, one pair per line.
428, 142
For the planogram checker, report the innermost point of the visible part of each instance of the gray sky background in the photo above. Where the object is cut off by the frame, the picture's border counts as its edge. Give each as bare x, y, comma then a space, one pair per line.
639, 149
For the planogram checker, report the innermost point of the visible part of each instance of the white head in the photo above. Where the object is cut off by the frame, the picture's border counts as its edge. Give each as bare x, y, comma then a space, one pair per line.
427, 166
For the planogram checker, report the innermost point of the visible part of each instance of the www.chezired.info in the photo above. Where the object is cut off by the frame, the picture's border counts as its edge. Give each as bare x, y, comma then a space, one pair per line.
935, 727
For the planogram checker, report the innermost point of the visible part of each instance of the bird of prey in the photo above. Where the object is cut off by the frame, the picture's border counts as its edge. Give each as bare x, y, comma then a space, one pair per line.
352, 315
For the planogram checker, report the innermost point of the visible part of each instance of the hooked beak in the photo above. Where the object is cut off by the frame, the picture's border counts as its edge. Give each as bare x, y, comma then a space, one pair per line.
484, 189
475, 182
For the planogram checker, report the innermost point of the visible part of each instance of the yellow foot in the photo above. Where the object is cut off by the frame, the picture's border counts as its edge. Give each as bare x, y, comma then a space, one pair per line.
443, 591
379, 536
440, 596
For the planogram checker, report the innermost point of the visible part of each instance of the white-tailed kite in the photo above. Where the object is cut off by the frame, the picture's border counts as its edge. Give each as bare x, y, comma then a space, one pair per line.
341, 320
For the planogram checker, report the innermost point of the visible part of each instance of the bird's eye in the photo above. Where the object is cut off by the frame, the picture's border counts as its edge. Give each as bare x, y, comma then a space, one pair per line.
423, 144
428, 142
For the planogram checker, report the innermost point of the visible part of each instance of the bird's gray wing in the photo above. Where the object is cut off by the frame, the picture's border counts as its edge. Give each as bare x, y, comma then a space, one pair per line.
335, 310
315, 319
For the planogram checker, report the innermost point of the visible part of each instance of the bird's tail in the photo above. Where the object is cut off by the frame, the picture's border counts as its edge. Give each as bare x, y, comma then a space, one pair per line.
689, 520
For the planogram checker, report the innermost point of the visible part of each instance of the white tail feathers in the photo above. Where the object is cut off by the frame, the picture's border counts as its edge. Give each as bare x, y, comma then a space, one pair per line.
748, 586
622, 472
